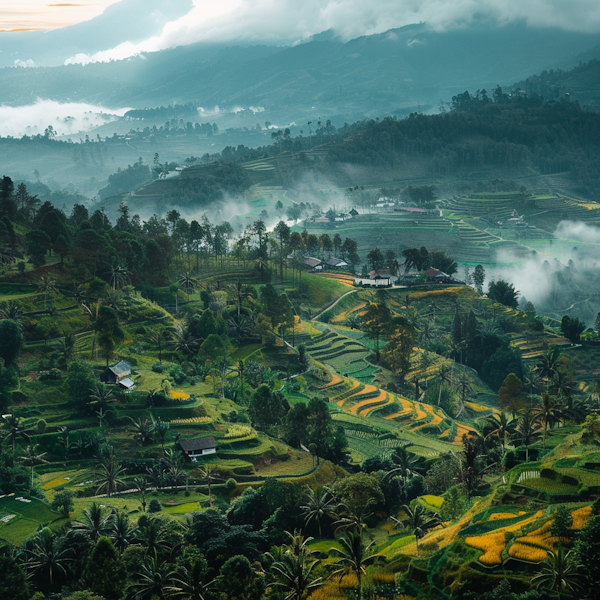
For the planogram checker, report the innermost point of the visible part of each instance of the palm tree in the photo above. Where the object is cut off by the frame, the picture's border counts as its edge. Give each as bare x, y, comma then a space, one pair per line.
142, 429
11, 310
46, 285
153, 580
109, 475
93, 525
141, 483
188, 282
15, 430
32, 458
407, 465
161, 428
121, 530
67, 346
209, 473
47, 556
560, 573
159, 336
154, 535
102, 397
503, 427
293, 571
119, 276
354, 556
444, 376
548, 364
184, 341
188, 581
548, 412
319, 504
240, 327
419, 521
240, 292
527, 431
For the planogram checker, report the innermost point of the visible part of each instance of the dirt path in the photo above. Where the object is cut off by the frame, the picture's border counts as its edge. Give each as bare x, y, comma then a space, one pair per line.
333, 304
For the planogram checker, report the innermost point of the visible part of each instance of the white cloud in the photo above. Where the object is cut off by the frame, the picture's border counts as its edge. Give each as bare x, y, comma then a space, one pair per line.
24, 64
289, 21
66, 119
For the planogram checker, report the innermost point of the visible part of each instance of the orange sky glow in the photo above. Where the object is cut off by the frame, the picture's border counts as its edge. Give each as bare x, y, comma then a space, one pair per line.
32, 15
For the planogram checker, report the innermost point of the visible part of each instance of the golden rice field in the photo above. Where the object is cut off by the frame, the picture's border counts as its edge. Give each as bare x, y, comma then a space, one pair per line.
527, 552
421, 414
430, 293
580, 517
492, 545
335, 379
499, 516
406, 405
382, 395
192, 421
178, 395
365, 412
238, 431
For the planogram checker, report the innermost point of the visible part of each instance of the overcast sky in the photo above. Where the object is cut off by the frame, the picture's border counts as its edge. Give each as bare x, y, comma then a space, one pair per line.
47, 14
288, 21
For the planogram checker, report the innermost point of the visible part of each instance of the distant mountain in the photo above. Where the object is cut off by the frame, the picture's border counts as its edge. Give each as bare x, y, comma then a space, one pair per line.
125, 21
581, 83
371, 75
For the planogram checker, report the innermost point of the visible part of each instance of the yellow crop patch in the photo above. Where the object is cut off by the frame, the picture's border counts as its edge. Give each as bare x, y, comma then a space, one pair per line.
492, 545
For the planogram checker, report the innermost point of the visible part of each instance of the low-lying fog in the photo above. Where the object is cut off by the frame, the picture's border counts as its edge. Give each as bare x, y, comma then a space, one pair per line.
70, 118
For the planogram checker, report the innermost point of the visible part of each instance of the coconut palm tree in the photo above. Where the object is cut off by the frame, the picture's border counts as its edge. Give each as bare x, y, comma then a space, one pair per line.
120, 530
47, 556
240, 292
93, 525
159, 336
31, 458
240, 327
188, 581
102, 397
188, 283
548, 364
527, 431
119, 276
184, 341
319, 505
444, 376
14, 430
209, 472
154, 534
109, 475
419, 521
46, 285
142, 429
161, 429
407, 465
548, 412
560, 573
154, 580
67, 346
353, 556
503, 427
141, 483
11, 310
293, 572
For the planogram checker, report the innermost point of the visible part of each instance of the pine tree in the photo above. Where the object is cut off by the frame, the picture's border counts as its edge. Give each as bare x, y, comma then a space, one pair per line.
105, 574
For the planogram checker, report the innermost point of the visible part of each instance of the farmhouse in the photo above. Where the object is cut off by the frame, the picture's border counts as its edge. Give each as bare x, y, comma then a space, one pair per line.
336, 263
198, 447
117, 374
380, 278
436, 276
313, 263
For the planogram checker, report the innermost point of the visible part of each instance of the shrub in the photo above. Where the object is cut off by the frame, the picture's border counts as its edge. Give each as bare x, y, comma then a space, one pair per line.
157, 367
41, 426
51, 375
154, 506
231, 485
